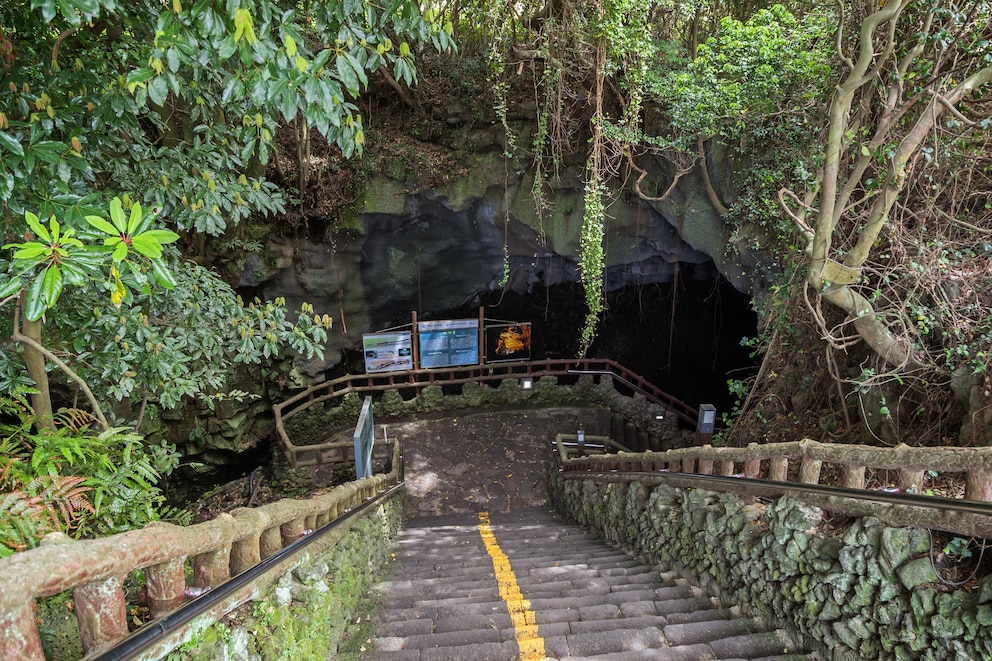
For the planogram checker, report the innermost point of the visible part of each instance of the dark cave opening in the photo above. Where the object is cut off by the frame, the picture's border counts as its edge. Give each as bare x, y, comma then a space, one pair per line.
684, 335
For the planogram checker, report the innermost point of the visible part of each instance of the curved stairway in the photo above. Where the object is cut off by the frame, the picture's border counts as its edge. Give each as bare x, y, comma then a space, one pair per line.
527, 586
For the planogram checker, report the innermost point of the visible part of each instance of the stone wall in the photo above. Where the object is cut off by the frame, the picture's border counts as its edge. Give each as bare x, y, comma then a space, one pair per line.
307, 614
856, 590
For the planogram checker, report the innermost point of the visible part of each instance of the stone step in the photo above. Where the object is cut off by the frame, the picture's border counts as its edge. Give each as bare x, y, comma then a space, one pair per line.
589, 601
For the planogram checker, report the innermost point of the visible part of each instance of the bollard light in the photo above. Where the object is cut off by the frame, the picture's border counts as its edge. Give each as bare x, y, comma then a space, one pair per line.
707, 419
580, 435
526, 384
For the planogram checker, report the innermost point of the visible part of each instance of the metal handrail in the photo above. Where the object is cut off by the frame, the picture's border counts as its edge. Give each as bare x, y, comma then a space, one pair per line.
963, 516
154, 632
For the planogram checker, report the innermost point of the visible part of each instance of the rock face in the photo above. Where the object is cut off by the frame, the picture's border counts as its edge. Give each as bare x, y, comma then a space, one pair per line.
442, 249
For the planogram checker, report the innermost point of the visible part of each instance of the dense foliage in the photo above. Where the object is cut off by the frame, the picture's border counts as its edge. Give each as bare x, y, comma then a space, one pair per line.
130, 132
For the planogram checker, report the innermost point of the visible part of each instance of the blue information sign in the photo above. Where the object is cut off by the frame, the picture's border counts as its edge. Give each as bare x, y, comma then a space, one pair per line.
448, 343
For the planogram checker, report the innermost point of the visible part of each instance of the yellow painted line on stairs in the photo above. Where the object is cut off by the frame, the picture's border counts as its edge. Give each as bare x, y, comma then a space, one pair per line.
524, 621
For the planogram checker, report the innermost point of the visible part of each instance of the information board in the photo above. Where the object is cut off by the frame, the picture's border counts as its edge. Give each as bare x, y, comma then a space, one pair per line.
506, 342
447, 343
388, 352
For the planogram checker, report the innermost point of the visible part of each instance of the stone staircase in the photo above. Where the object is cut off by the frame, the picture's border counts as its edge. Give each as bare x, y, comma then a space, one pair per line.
527, 586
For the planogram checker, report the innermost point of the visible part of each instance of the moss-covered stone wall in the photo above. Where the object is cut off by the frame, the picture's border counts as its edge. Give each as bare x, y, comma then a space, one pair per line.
306, 614
861, 590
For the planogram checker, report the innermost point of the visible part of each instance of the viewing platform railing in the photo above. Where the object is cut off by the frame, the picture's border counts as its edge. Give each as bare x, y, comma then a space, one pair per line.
452, 376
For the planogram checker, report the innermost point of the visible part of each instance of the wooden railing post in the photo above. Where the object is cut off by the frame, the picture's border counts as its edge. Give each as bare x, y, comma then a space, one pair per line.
166, 585
809, 471
911, 479
212, 568
778, 469
101, 613
979, 486
245, 554
270, 542
19, 637
854, 477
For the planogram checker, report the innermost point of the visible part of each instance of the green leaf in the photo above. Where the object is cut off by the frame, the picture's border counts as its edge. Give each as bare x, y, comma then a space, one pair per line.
163, 274
10, 287
120, 252
11, 144
117, 215
35, 224
34, 306
161, 236
158, 90
135, 220
31, 250
147, 246
52, 284
102, 225
347, 74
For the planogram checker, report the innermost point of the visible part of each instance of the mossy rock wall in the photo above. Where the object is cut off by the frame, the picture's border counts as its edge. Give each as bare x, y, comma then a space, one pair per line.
306, 615
868, 591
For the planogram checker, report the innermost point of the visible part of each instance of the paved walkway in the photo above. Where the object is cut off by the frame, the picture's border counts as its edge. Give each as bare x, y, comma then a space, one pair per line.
493, 460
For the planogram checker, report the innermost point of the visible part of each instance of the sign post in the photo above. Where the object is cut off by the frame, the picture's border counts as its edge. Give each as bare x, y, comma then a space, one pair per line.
364, 438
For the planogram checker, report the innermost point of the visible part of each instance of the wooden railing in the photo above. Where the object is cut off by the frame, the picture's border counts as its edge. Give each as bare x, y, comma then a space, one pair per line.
95, 570
897, 470
416, 379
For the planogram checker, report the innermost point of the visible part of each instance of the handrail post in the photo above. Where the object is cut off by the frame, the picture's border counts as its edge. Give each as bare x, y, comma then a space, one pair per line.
979, 486
245, 554
19, 637
166, 585
809, 471
212, 568
778, 469
270, 542
101, 613
854, 477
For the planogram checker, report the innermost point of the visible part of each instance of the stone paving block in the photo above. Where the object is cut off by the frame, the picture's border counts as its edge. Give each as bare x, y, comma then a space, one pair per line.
592, 626
706, 631
497, 621
638, 609
770, 643
406, 628
617, 640
599, 612
482, 652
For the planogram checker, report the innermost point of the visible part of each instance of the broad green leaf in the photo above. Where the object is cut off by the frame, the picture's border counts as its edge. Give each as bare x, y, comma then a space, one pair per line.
102, 225
10, 287
132, 225
147, 246
117, 215
11, 144
31, 250
161, 236
346, 73
35, 224
141, 75
120, 252
34, 304
162, 274
52, 284
158, 90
